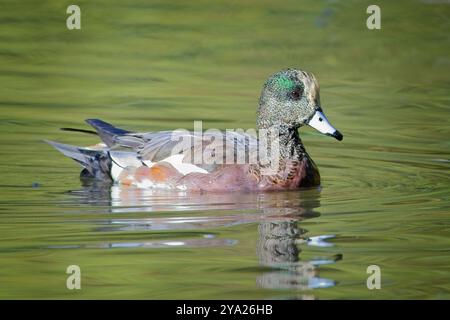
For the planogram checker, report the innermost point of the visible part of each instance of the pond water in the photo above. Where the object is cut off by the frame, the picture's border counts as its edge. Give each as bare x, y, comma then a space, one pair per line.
157, 65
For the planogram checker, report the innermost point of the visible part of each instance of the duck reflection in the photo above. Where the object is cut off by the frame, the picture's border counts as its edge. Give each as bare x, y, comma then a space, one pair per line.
277, 214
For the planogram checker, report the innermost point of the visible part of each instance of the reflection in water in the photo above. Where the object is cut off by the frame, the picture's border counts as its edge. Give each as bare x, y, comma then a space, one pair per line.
278, 215
278, 249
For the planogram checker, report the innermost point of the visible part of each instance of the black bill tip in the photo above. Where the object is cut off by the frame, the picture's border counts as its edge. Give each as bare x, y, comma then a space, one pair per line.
336, 135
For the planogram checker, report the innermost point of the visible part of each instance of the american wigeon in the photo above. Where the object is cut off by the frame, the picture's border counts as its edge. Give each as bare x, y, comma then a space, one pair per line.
289, 99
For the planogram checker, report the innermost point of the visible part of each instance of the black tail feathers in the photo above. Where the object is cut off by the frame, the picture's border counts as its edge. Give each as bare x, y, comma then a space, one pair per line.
97, 163
106, 131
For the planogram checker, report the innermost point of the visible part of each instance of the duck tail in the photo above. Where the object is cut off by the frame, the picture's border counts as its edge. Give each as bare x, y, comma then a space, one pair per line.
106, 131
97, 163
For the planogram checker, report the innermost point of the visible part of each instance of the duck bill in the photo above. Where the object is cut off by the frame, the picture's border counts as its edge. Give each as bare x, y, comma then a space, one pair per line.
321, 124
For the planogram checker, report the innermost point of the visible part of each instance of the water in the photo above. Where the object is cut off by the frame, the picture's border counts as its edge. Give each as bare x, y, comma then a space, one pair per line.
154, 65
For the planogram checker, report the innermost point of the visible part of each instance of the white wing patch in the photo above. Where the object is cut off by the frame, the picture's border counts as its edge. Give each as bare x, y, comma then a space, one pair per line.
123, 159
115, 171
176, 161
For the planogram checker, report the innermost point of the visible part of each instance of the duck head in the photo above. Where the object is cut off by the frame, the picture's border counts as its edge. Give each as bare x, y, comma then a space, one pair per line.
289, 99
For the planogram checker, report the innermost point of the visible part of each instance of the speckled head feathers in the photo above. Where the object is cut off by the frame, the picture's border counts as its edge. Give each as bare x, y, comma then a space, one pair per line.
289, 98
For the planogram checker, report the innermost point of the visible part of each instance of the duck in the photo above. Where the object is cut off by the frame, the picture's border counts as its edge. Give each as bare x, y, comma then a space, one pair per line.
271, 158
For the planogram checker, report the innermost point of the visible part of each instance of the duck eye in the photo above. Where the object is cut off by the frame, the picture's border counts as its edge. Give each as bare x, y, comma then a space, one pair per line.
296, 93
